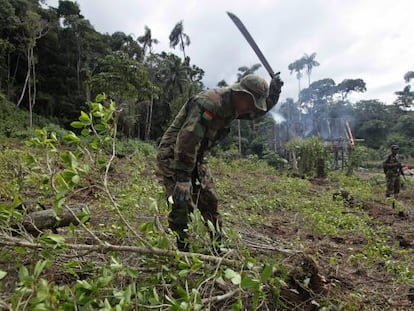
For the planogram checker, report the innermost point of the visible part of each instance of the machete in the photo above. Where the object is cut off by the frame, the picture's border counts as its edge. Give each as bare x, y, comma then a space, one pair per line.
252, 43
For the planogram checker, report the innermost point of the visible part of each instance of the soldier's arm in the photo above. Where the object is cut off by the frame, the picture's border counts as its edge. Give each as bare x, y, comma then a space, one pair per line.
188, 143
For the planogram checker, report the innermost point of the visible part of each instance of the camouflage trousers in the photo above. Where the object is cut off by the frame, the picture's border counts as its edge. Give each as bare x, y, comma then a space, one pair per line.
204, 197
393, 185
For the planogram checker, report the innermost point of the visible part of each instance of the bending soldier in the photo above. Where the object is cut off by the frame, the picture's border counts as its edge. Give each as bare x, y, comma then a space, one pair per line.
202, 122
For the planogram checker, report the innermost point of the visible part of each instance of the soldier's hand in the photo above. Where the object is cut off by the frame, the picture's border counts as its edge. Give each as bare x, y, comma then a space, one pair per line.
182, 191
275, 85
275, 88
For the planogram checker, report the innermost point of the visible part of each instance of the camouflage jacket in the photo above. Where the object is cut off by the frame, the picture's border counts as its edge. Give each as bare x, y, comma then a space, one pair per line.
392, 166
200, 124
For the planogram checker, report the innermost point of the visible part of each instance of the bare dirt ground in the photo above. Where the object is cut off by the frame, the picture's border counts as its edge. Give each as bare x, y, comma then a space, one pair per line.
328, 261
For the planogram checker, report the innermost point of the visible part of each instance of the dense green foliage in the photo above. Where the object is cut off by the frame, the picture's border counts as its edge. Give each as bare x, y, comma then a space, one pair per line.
53, 61
122, 257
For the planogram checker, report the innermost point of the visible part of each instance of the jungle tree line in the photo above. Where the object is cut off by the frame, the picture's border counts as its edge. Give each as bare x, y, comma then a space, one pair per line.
321, 111
324, 102
53, 61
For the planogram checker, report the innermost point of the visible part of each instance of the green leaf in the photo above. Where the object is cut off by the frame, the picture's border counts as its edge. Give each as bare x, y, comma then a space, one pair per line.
94, 144
76, 179
163, 242
73, 161
77, 124
250, 283
85, 118
71, 137
98, 114
266, 273
100, 127
2, 274
131, 272
53, 137
211, 227
107, 305
85, 132
40, 265
30, 160
233, 276
60, 200
100, 97
183, 273
63, 185
41, 307
23, 273
197, 264
104, 280
115, 265
56, 238
84, 284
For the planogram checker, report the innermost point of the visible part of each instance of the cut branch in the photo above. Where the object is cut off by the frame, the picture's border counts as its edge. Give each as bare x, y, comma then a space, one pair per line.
220, 297
11, 241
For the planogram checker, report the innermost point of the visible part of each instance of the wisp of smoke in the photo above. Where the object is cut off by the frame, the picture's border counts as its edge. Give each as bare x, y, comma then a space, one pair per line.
277, 117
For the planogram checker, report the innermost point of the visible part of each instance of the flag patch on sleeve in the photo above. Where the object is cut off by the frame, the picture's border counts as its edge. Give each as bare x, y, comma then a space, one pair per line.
207, 115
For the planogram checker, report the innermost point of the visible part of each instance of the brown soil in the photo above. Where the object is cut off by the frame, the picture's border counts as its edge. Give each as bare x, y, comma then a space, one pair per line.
377, 287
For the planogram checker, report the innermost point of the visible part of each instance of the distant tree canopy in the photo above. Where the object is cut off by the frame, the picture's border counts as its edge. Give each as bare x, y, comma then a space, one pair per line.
53, 61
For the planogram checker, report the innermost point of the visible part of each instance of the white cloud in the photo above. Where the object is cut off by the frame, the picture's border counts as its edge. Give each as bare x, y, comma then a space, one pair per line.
367, 39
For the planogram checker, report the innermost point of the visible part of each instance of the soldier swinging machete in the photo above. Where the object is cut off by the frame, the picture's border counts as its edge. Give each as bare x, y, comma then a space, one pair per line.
203, 121
252, 43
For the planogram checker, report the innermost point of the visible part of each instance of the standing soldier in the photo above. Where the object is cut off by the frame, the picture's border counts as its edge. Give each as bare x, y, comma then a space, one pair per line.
393, 169
202, 122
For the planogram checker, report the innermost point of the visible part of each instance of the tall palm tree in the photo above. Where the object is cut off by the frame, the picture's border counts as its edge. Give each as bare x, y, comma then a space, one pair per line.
310, 62
146, 40
405, 97
297, 66
173, 77
178, 37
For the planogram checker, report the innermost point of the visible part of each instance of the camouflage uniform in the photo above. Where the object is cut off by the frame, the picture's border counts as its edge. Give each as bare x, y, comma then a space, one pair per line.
201, 123
392, 169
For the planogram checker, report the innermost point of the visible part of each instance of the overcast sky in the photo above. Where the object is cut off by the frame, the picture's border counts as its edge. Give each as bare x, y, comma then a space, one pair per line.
367, 39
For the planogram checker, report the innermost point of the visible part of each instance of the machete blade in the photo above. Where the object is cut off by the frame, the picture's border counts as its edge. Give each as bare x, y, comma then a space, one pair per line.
252, 43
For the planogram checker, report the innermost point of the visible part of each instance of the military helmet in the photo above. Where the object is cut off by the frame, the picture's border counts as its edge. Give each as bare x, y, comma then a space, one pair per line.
395, 147
256, 87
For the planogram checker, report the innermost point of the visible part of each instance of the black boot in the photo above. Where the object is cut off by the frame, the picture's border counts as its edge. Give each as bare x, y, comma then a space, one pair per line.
183, 246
